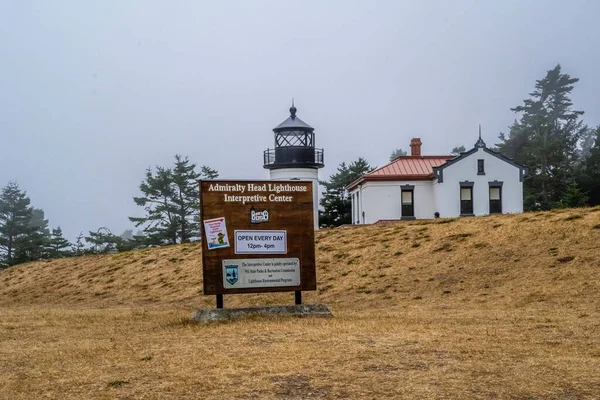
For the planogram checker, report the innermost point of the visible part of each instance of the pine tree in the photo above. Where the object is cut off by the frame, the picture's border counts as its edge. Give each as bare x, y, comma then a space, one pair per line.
103, 241
171, 202
208, 173
161, 214
24, 233
15, 216
34, 244
573, 197
186, 199
586, 142
79, 247
58, 246
457, 150
337, 207
397, 153
134, 242
545, 139
589, 176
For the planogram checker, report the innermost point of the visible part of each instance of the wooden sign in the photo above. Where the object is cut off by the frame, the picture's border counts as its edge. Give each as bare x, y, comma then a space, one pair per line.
257, 236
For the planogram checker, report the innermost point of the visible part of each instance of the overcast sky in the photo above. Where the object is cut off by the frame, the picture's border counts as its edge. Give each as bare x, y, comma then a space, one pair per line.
93, 93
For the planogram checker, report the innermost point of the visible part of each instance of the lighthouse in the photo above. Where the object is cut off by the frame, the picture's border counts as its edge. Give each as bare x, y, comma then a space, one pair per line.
295, 156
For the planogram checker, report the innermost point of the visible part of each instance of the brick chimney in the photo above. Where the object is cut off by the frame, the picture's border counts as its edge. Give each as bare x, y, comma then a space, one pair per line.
415, 147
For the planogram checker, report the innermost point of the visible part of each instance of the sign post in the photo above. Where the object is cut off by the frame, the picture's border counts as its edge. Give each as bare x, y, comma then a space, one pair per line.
257, 236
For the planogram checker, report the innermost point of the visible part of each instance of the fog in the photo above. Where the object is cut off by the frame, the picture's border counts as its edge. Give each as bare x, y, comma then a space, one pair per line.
93, 93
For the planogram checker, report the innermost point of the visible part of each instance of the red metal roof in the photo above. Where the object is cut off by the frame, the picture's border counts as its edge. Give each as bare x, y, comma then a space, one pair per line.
411, 165
405, 168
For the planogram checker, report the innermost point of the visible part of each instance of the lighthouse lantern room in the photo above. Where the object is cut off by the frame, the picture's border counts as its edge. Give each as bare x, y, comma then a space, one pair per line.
295, 156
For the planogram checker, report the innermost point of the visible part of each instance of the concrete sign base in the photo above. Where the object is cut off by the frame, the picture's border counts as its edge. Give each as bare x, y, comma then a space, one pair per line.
225, 314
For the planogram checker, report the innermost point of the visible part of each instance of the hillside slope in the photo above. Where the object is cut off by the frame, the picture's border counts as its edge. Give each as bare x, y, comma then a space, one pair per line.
531, 259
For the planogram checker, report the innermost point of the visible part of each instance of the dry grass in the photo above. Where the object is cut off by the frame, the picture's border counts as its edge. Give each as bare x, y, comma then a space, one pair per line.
500, 307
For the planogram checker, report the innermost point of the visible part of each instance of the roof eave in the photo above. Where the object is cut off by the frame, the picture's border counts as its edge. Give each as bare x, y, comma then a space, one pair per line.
389, 178
355, 183
293, 123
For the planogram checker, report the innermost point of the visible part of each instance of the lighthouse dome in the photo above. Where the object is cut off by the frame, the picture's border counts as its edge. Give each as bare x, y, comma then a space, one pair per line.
294, 145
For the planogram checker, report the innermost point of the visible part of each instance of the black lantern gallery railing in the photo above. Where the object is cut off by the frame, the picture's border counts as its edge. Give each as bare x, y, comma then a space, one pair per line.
294, 156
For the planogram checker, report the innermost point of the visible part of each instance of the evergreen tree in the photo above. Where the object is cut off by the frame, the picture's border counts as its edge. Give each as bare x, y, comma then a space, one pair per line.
457, 150
545, 139
208, 173
573, 197
130, 241
127, 235
397, 153
161, 214
589, 176
134, 242
103, 241
15, 217
34, 244
586, 142
24, 233
79, 247
58, 246
186, 199
337, 207
171, 202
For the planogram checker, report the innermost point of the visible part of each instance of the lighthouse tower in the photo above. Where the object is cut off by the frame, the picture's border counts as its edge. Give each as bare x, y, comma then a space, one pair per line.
295, 155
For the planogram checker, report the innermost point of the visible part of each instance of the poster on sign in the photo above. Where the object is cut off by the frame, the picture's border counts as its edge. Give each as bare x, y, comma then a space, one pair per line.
216, 233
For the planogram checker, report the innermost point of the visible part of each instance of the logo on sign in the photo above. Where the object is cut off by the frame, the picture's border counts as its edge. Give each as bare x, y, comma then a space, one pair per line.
258, 217
231, 274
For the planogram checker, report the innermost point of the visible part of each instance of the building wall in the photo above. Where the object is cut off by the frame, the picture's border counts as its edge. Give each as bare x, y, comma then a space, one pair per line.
311, 174
382, 200
447, 193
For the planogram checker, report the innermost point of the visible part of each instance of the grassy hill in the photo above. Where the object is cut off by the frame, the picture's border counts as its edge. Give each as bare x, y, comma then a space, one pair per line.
487, 307
506, 261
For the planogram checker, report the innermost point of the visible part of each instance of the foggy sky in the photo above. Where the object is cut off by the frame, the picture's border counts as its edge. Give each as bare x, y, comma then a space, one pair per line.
93, 93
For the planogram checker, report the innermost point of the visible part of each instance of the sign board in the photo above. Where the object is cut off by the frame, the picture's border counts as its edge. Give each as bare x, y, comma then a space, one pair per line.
257, 236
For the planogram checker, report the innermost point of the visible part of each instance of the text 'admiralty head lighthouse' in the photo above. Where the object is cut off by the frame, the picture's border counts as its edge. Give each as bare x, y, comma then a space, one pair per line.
295, 156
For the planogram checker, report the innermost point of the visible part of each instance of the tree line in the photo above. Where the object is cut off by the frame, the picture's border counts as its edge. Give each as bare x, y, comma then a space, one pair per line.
549, 137
169, 198
24, 232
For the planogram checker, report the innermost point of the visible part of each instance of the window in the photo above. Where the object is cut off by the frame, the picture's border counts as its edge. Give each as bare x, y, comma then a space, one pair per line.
495, 197
466, 198
480, 167
408, 202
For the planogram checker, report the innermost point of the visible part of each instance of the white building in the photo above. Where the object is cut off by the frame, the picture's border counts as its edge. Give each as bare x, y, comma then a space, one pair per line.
477, 182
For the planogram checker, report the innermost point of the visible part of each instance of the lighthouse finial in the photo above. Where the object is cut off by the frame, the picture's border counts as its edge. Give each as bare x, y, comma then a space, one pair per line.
480, 142
293, 110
